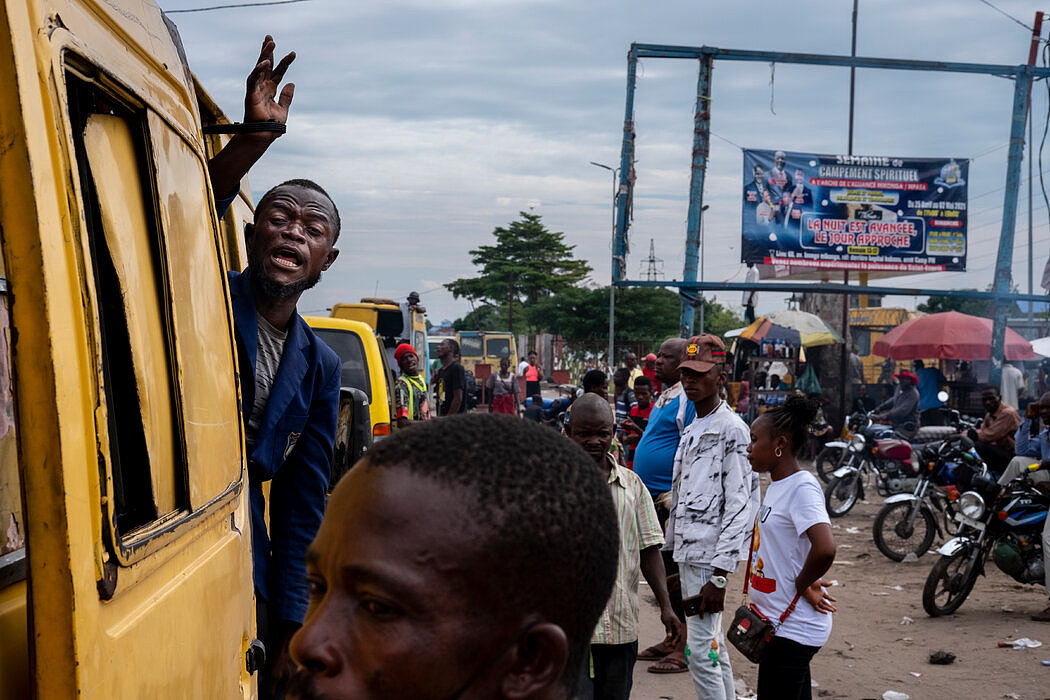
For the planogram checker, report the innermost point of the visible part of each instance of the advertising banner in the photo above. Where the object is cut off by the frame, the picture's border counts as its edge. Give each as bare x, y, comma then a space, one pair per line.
844, 212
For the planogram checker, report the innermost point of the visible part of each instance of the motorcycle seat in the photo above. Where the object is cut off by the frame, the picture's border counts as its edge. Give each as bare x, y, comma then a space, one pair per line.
929, 433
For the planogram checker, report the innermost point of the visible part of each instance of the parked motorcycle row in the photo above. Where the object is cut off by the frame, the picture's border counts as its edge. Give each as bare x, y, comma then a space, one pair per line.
936, 486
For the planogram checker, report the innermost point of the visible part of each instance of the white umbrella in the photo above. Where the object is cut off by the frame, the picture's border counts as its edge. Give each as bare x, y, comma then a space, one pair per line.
1041, 346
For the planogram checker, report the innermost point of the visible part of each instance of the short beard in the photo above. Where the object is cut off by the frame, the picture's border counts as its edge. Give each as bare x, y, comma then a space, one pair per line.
301, 687
275, 290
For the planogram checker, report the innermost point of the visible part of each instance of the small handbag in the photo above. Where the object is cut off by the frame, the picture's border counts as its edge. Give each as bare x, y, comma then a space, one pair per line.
751, 631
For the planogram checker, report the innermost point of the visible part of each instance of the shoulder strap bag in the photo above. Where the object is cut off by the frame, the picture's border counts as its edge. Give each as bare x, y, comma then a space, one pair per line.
751, 632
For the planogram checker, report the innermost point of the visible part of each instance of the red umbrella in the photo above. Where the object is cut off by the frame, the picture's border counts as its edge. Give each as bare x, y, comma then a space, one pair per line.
948, 336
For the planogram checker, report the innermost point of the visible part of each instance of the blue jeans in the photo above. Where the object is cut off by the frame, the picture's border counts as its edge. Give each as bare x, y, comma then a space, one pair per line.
712, 682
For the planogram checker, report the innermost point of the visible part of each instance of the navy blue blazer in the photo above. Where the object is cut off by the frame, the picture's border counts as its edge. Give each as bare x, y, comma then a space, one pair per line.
293, 450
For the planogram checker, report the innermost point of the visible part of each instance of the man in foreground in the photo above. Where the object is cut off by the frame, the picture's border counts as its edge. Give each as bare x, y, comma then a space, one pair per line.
454, 564
614, 645
715, 500
289, 377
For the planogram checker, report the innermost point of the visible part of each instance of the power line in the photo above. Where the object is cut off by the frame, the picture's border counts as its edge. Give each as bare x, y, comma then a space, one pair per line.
235, 6
1005, 13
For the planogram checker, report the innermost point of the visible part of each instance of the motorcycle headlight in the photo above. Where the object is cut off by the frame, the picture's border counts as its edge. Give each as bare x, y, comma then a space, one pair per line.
856, 443
972, 505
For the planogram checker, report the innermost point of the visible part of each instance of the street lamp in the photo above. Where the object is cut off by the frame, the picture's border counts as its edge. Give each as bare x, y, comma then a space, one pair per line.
612, 288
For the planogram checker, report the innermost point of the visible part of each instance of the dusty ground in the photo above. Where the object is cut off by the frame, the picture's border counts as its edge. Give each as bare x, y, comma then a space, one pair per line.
873, 648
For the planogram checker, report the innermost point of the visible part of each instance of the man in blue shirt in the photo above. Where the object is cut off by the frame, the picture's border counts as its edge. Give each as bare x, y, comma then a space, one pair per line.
930, 382
1031, 444
654, 463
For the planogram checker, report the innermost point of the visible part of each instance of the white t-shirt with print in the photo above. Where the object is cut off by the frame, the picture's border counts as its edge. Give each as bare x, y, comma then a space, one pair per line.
790, 507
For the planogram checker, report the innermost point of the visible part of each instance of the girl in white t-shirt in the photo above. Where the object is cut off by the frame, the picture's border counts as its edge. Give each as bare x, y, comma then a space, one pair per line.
793, 549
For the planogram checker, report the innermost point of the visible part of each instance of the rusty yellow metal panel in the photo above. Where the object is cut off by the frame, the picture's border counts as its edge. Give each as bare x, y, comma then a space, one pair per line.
181, 617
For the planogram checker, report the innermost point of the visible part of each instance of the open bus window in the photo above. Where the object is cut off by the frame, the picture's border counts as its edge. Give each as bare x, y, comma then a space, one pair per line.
144, 455
390, 325
351, 352
12, 521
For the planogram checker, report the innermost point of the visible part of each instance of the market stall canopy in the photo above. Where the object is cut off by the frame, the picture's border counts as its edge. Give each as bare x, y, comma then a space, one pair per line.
796, 328
1041, 346
948, 336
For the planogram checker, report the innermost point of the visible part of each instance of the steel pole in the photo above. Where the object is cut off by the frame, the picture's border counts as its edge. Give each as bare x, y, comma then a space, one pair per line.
614, 273
1004, 261
701, 149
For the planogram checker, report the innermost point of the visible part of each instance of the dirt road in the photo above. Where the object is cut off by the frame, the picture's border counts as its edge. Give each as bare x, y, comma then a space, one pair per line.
882, 636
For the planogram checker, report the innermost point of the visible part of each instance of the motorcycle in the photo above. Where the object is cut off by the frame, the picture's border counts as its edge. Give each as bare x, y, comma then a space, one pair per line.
551, 411
907, 523
833, 454
1004, 524
872, 449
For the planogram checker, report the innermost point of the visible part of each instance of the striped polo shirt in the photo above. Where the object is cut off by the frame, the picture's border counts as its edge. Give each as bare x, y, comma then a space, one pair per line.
639, 529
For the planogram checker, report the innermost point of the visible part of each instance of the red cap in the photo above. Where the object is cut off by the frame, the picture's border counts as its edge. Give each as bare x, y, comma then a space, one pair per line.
402, 349
703, 352
651, 357
909, 375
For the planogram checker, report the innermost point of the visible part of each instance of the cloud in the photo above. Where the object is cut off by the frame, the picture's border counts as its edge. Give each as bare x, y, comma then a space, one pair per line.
433, 123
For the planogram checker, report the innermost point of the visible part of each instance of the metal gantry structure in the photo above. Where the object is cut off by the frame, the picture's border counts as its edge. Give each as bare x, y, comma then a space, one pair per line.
1022, 77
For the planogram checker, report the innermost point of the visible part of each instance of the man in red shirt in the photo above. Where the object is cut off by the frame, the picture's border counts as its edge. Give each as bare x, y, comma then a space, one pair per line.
649, 370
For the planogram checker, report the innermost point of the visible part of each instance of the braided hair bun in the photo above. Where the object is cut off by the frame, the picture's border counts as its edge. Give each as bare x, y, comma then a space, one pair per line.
792, 417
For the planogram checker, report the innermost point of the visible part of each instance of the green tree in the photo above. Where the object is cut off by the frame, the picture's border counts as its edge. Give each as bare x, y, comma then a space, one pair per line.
483, 318
643, 315
528, 263
974, 307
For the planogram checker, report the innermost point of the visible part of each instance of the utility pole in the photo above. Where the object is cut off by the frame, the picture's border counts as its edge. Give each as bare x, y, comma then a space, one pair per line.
652, 273
612, 285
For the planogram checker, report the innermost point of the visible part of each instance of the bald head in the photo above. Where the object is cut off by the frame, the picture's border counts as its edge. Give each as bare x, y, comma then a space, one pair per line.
667, 359
592, 407
1044, 400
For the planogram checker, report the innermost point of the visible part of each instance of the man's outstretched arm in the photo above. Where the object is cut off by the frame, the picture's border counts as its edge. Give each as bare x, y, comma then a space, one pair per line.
243, 150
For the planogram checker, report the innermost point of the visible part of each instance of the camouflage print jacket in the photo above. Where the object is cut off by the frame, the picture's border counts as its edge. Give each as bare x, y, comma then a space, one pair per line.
716, 495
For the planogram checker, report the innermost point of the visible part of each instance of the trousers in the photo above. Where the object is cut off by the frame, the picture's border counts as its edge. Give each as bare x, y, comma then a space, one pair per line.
784, 671
1014, 469
712, 682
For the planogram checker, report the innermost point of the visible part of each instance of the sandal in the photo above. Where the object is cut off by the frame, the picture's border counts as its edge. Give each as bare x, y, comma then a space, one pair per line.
655, 652
1043, 616
668, 664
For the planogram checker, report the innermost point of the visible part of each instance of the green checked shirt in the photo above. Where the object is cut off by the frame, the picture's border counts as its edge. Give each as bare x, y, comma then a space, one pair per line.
639, 529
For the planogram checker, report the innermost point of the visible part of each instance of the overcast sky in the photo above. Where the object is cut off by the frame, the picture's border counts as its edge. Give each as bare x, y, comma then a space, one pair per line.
431, 123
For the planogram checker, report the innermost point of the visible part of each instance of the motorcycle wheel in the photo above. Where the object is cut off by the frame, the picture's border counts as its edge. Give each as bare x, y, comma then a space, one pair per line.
899, 530
950, 581
827, 461
841, 494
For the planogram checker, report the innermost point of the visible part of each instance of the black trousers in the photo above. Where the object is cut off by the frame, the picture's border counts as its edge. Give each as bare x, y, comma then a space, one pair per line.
613, 672
784, 672
994, 456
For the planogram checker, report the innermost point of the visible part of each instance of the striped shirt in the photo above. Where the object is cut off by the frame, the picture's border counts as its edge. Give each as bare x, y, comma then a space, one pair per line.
639, 529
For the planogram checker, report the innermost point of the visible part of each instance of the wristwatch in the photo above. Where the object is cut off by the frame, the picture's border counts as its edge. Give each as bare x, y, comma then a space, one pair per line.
718, 581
